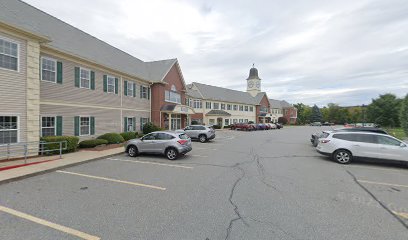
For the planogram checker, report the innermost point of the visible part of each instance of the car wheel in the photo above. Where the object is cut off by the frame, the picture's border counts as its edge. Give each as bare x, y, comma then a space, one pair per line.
202, 138
171, 154
343, 156
132, 151
315, 142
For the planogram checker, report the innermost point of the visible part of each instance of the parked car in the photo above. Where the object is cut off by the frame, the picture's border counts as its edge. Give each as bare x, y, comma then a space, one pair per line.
241, 126
271, 125
327, 124
260, 126
319, 124
343, 147
200, 132
279, 125
315, 137
171, 144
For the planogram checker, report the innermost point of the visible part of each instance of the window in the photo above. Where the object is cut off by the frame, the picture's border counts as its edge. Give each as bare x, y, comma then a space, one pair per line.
246, 120
48, 69
85, 126
130, 89
246, 108
8, 55
216, 106
228, 106
171, 96
163, 136
48, 126
8, 129
85, 79
111, 84
208, 105
251, 109
197, 103
387, 141
212, 121
130, 124
235, 121
264, 109
226, 122
143, 121
235, 107
241, 108
222, 106
144, 92
241, 120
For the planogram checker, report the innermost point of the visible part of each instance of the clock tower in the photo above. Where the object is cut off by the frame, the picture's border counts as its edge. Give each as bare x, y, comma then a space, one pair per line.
253, 82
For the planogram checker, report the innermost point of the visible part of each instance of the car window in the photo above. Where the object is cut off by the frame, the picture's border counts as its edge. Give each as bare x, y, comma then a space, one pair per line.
366, 138
189, 128
183, 136
388, 141
164, 136
201, 128
151, 136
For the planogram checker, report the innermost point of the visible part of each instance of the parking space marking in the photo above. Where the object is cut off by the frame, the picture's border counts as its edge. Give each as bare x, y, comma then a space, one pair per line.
384, 184
401, 214
43, 222
378, 168
214, 149
198, 156
113, 180
153, 163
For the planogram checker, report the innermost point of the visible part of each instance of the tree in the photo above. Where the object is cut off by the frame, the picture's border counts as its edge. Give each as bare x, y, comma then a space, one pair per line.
303, 113
385, 110
404, 114
316, 114
282, 120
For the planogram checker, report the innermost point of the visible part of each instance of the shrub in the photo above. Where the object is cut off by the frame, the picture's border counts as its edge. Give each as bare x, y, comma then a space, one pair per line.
150, 127
251, 122
194, 122
91, 143
72, 143
129, 135
216, 126
112, 138
282, 120
227, 126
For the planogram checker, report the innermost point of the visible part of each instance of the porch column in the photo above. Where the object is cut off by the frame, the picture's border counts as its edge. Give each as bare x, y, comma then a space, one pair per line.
170, 121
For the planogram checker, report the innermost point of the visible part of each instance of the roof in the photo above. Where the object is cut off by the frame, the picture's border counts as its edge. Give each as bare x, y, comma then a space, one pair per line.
192, 91
279, 104
218, 113
73, 41
221, 94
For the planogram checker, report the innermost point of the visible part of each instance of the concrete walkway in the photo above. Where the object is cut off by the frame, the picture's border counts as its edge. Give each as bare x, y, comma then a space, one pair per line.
53, 163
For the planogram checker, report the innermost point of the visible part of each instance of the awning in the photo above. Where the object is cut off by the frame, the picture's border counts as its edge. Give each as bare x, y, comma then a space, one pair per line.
218, 113
262, 114
177, 109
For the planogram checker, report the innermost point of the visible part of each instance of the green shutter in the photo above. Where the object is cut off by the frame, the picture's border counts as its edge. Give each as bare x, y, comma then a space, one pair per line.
59, 126
59, 72
134, 124
125, 88
141, 90
92, 80
105, 83
76, 76
125, 124
116, 85
76, 126
92, 125
134, 89
141, 127
148, 93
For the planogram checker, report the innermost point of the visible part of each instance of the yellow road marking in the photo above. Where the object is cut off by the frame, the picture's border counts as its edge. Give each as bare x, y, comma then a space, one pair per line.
401, 214
385, 184
153, 163
113, 180
43, 222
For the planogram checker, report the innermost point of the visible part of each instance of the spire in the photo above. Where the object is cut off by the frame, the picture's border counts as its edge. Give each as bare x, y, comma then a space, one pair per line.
253, 73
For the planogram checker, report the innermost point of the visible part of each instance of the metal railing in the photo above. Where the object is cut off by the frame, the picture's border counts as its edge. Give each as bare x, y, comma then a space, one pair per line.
28, 149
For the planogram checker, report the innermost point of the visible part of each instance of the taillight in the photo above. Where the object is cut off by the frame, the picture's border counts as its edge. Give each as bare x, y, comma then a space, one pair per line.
324, 141
182, 141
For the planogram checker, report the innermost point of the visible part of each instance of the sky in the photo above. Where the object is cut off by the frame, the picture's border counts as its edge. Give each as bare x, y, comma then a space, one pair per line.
309, 51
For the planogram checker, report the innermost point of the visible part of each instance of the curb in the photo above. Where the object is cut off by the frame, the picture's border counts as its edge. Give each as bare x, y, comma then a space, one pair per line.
13, 179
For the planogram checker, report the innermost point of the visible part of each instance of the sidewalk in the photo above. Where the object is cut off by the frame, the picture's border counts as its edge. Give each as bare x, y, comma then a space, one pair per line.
52, 163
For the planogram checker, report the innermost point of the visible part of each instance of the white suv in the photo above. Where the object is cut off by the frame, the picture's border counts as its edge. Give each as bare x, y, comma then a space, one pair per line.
344, 146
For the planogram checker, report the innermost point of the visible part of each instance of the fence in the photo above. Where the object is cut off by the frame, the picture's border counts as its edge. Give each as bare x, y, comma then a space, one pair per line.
28, 149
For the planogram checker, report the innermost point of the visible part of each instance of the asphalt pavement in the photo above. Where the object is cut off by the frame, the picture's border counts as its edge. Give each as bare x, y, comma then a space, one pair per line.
242, 185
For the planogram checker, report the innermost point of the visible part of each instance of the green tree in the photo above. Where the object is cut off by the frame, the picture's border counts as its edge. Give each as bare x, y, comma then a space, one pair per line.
385, 110
303, 113
404, 114
316, 114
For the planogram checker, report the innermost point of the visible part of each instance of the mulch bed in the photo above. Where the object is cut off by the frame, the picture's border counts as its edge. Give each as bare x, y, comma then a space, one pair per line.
102, 147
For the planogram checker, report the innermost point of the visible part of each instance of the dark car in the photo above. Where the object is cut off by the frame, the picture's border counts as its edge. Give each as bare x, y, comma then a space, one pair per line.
279, 125
241, 126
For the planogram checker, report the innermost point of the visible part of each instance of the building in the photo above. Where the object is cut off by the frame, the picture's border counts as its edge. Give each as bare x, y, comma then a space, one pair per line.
281, 108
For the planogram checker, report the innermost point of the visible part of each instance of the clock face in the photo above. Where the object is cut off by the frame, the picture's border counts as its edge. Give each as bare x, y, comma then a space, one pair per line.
250, 84
258, 84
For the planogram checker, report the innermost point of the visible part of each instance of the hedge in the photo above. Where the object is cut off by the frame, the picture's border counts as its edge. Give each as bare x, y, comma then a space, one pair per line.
91, 143
216, 126
150, 127
72, 143
112, 138
129, 135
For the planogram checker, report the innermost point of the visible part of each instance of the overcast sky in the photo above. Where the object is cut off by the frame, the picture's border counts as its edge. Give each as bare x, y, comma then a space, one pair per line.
310, 51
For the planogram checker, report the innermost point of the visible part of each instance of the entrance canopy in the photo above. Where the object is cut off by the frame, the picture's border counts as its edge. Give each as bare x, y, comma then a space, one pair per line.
218, 113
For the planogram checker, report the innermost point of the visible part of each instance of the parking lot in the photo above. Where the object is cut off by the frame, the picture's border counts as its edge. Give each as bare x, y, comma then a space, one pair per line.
242, 185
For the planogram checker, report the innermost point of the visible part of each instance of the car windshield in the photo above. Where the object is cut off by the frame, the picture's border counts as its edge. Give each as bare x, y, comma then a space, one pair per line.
183, 136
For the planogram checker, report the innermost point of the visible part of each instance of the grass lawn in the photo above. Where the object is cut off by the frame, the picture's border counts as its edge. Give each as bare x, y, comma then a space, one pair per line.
397, 132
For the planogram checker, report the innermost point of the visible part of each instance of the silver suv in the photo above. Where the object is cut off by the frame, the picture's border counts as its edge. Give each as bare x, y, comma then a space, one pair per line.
200, 132
171, 144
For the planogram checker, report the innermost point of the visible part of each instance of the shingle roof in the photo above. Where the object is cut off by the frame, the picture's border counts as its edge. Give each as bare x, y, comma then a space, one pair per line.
279, 104
192, 92
218, 113
222, 94
71, 40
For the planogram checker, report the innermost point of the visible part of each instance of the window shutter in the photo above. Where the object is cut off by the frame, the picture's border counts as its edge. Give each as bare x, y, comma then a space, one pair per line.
141, 126
116, 85
92, 80
76, 76
92, 125
134, 124
134, 89
76, 126
105, 83
125, 88
59, 72
125, 124
59, 126
141, 90
148, 93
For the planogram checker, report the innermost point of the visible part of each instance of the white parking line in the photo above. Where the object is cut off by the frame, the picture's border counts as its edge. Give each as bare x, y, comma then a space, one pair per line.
43, 222
113, 180
213, 149
198, 156
153, 163
401, 214
378, 168
384, 184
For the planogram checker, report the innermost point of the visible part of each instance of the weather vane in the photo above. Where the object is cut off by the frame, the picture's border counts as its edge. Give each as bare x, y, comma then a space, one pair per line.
253, 65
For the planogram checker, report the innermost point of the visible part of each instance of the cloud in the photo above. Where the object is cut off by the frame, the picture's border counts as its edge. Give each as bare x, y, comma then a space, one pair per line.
316, 51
